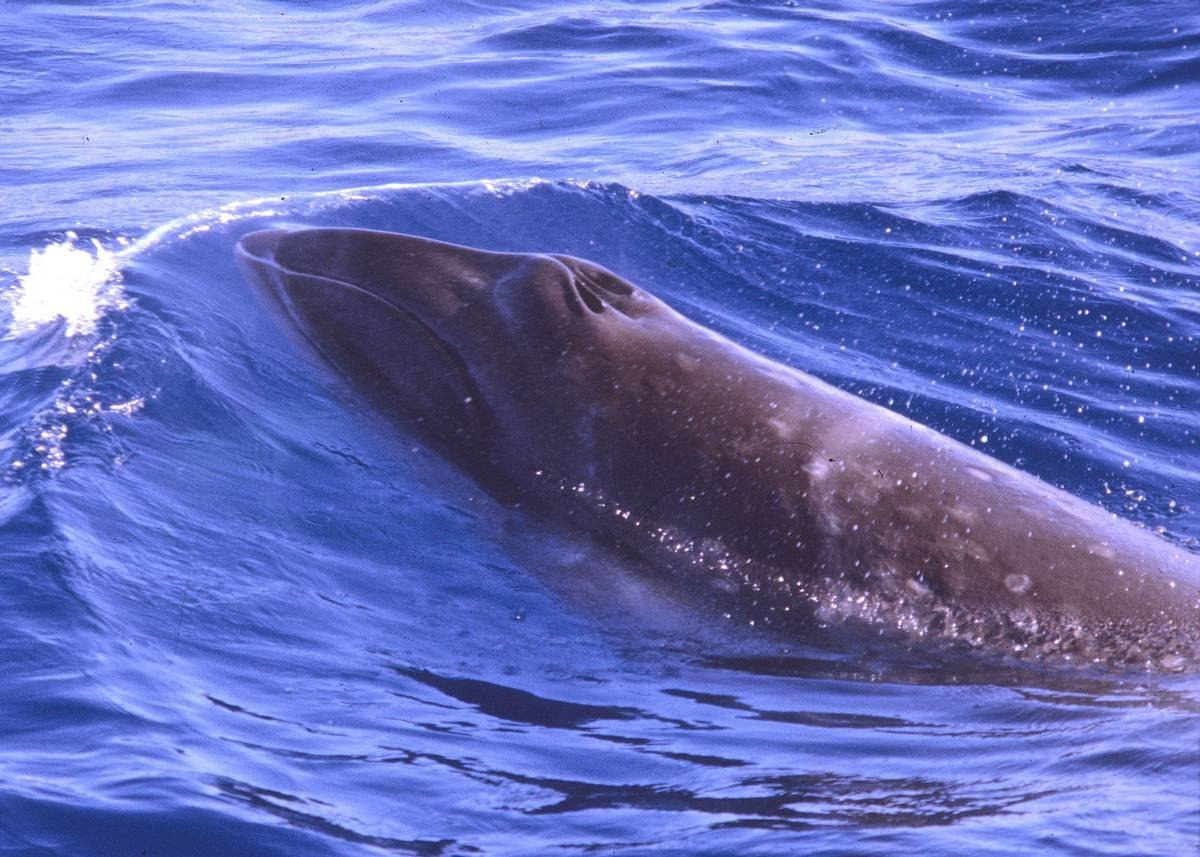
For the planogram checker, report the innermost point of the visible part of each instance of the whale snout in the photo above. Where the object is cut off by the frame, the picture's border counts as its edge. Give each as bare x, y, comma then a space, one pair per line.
432, 279
260, 245
370, 308
435, 280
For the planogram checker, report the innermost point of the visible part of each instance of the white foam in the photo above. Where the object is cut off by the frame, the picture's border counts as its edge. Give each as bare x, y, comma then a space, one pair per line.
65, 282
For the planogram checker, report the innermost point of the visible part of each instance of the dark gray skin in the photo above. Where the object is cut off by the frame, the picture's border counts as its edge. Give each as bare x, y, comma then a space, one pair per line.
555, 382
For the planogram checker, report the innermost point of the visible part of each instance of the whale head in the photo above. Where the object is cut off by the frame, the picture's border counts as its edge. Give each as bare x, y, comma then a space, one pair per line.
491, 357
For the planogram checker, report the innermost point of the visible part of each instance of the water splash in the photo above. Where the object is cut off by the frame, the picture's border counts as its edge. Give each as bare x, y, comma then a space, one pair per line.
66, 282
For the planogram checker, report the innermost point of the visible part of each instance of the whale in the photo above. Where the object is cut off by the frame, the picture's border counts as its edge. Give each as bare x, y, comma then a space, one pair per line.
565, 389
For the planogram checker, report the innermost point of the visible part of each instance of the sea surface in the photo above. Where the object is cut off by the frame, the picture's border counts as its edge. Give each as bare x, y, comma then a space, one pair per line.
243, 614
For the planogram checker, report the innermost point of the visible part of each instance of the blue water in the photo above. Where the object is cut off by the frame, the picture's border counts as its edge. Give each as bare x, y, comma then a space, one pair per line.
243, 615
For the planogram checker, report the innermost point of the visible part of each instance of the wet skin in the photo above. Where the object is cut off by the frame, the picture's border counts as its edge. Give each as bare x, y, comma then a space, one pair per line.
555, 382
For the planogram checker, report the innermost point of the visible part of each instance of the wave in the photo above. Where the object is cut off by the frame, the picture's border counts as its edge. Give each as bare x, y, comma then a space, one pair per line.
292, 606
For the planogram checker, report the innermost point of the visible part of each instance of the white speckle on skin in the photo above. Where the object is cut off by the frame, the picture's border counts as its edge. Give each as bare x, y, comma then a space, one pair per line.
817, 469
976, 552
782, 430
1173, 663
917, 587
980, 474
960, 514
686, 361
1018, 584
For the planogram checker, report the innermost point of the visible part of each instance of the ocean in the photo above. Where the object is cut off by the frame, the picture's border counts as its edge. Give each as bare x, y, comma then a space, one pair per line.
245, 614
